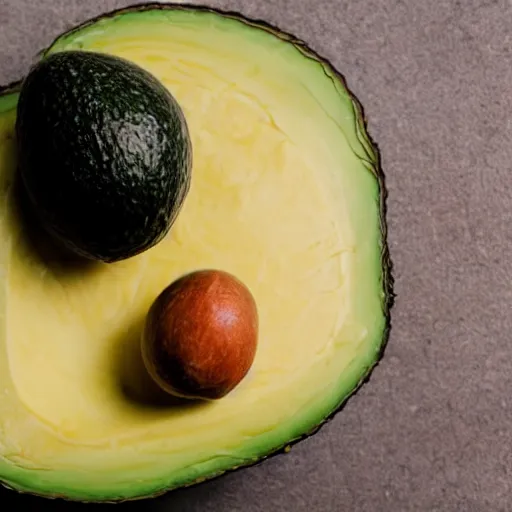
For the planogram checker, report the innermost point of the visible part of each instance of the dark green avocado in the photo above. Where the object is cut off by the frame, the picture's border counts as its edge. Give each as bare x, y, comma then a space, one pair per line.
104, 153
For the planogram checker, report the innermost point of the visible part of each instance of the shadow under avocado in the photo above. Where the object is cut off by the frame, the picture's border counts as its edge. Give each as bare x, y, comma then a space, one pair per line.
39, 243
135, 384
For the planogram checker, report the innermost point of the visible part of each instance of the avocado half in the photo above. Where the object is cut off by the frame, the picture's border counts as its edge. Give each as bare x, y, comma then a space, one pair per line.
287, 194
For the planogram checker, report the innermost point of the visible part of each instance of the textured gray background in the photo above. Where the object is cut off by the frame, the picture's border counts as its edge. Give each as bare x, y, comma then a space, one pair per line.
432, 430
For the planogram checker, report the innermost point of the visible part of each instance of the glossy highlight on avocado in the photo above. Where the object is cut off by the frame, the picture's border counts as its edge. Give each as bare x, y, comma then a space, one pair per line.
287, 194
104, 153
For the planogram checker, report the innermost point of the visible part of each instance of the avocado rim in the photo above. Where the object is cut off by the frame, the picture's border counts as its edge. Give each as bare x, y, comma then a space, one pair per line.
387, 266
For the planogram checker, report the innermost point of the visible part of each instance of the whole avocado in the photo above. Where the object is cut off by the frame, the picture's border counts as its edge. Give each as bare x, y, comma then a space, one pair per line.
104, 153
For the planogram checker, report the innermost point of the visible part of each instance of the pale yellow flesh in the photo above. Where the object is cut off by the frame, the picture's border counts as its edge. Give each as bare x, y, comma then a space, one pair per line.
275, 200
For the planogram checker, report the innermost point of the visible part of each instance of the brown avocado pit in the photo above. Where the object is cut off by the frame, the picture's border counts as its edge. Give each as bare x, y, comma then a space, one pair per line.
200, 335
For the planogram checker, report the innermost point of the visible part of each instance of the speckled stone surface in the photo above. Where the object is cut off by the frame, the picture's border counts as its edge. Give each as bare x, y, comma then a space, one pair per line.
432, 430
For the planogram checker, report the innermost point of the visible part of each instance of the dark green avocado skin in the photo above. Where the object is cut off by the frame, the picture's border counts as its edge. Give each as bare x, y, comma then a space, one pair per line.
104, 153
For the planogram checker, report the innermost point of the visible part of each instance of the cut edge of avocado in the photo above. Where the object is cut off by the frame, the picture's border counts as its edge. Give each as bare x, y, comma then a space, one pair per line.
8, 100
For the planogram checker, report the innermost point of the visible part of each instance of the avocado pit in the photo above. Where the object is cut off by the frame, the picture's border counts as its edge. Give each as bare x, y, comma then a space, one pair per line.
200, 335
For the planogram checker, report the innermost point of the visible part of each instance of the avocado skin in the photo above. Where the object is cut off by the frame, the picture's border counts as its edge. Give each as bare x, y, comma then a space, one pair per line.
104, 153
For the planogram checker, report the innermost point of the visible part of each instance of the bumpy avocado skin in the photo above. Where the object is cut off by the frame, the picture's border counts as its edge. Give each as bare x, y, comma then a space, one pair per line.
104, 153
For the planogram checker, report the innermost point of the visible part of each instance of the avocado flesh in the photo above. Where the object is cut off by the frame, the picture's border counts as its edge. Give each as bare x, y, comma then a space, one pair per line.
286, 195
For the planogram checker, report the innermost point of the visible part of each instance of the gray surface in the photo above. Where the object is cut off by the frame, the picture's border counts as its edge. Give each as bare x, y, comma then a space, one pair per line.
432, 429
